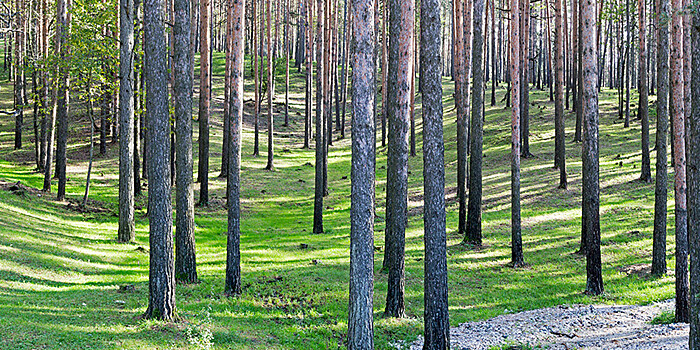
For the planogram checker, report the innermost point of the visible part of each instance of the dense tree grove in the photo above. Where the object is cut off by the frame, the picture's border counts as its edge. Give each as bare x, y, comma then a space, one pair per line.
135, 69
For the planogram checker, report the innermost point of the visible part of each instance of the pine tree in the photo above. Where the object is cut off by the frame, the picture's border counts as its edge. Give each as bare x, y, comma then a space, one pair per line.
161, 286
436, 318
591, 187
398, 113
360, 317
185, 260
233, 251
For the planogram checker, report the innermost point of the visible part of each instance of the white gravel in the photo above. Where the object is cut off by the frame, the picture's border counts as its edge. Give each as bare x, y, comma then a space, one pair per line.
574, 327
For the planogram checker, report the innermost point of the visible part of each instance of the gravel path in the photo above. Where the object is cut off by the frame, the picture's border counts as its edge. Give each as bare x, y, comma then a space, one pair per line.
574, 327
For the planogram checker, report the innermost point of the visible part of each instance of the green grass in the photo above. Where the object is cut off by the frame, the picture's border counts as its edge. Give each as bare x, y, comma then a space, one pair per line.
60, 269
665, 317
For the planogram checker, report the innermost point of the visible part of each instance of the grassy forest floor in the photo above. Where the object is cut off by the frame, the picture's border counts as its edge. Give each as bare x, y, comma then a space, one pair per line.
61, 268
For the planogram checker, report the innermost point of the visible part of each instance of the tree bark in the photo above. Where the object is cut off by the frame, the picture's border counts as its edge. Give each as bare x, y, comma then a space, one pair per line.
525, 79
161, 286
658, 262
185, 260
19, 73
233, 250
126, 122
477, 132
643, 94
463, 48
204, 103
516, 234
320, 129
591, 186
437, 326
693, 150
399, 98
560, 126
62, 35
256, 56
270, 92
360, 318
677, 109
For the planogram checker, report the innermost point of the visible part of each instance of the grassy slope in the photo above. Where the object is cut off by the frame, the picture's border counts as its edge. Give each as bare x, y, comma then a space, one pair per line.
60, 269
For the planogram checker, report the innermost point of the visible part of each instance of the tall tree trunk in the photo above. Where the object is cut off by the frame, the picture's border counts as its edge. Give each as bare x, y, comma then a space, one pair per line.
19, 75
643, 94
233, 250
463, 48
589, 106
658, 262
126, 122
516, 234
477, 129
360, 318
399, 99
227, 91
309, 73
161, 286
62, 9
92, 147
320, 129
437, 326
185, 260
45, 99
560, 126
628, 65
286, 63
256, 56
693, 150
525, 79
677, 109
494, 64
204, 103
270, 91
138, 63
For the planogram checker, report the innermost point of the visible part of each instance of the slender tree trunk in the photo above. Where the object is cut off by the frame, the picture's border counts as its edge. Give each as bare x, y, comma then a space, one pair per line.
286, 64
525, 79
19, 75
560, 130
309, 73
270, 91
185, 259
360, 318
126, 122
589, 106
437, 326
63, 27
320, 129
92, 146
643, 94
693, 150
516, 234
677, 109
399, 99
463, 49
256, 56
161, 286
494, 65
628, 65
45, 99
227, 83
233, 250
138, 64
204, 103
477, 132
658, 262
